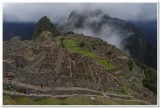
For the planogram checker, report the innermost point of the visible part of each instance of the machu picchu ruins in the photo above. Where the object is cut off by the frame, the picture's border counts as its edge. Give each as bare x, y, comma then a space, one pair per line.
71, 64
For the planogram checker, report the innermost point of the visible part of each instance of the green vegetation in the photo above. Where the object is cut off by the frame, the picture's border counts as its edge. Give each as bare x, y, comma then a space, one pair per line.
106, 101
44, 24
127, 89
109, 53
61, 40
70, 32
91, 76
72, 100
49, 101
106, 64
121, 75
134, 70
114, 91
73, 47
79, 100
125, 102
7, 100
150, 80
24, 101
81, 44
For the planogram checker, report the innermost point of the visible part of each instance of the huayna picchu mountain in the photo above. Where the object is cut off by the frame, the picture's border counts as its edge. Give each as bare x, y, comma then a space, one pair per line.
72, 68
44, 24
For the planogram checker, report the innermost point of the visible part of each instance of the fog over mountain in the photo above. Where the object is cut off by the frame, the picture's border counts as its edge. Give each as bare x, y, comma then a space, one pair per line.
96, 23
108, 21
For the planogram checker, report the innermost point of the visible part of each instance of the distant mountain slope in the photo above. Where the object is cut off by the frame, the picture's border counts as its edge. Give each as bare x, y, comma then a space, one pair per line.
149, 28
24, 30
123, 34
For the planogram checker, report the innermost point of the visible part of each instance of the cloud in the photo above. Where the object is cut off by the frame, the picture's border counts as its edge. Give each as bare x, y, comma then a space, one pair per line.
96, 24
32, 12
107, 33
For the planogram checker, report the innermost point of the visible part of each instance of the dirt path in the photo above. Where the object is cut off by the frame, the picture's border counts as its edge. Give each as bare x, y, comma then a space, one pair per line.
46, 89
55, 96
65, 89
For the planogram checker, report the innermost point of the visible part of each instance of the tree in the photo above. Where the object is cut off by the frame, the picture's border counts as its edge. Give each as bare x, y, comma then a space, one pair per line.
62, 39
81, 44
109, 53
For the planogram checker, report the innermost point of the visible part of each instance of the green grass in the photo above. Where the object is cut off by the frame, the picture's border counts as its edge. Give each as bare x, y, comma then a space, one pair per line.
127, 88
72, 100
73, 47
134, 70
49, 101
7, 100
107, 65
58, 39
91, 76
24, 101
79, 100
121, 75
113, 91
106, 101
125, 102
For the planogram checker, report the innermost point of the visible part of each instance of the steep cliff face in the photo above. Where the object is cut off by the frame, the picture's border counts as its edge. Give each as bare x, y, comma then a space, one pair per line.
44, 24
123, 34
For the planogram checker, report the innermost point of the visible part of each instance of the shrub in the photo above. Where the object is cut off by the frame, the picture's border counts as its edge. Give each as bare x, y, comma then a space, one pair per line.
109, 53
81, 44
62, 39
70, 32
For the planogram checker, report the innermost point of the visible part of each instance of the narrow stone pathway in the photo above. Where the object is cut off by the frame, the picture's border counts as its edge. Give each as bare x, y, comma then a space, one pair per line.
64, 89
38, 95
46, 89
27, 86
14, 93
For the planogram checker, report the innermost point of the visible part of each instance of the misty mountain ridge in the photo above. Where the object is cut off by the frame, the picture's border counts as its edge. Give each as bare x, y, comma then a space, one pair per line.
97, 24
122, 34
149, 29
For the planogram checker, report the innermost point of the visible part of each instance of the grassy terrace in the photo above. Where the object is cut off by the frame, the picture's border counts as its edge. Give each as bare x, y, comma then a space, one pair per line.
72, 100
107, 65
72, 46
7, 100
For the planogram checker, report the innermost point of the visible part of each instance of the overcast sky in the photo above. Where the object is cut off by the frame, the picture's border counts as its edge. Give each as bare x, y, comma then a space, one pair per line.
32, 12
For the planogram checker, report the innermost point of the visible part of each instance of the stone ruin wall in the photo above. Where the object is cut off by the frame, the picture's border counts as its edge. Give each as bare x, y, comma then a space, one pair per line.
75, 65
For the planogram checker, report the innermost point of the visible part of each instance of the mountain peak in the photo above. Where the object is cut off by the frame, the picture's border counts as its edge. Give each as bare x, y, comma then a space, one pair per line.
121, 33
44, 24
45, 18
87, 13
